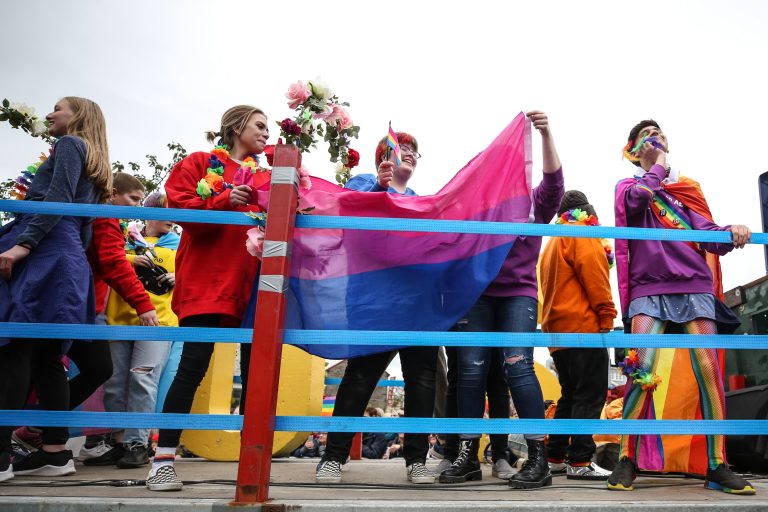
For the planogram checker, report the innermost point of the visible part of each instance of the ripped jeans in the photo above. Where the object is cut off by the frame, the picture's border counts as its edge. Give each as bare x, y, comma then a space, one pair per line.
138, 366
499, 314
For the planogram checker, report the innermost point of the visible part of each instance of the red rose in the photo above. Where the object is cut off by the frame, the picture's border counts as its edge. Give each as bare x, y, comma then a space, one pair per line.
290, 127
353, 158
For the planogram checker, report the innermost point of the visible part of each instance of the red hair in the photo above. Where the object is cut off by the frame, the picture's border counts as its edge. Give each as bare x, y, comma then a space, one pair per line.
402, 138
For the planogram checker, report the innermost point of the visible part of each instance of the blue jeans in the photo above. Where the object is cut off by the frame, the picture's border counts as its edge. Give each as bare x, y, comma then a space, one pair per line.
499, 314
137, 366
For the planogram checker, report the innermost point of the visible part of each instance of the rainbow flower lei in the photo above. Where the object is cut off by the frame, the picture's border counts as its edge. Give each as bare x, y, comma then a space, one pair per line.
631, 368
24, 180
582, 218
213, 184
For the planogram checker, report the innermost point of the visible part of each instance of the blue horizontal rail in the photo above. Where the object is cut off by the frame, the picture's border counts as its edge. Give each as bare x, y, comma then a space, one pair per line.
415, 425
386, 338
376, 223
333, 381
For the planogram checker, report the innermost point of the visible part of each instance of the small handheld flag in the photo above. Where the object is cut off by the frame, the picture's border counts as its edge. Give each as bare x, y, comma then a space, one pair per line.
393, 144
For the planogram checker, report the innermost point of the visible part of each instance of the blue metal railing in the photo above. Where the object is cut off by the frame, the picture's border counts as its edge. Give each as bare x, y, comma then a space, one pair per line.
342, 424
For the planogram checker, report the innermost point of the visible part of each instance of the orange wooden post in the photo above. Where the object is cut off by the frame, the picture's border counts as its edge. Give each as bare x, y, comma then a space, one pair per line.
259, 419
356, 452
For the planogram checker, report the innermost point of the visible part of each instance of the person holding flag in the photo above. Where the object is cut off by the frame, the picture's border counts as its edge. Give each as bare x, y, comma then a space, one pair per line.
509, 304
396, 158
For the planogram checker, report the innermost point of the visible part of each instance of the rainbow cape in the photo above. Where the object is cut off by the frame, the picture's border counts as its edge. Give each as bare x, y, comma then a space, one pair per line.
406, 281
670, 453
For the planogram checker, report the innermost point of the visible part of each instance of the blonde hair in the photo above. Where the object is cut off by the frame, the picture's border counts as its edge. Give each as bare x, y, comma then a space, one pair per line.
232, 123
88, 124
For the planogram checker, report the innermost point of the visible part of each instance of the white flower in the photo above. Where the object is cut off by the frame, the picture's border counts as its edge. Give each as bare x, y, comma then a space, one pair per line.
321, 89
24, 109
38, 126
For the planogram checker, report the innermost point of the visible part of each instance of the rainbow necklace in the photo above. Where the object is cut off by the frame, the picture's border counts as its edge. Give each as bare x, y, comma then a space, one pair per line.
213, 183
24, 180
582, 218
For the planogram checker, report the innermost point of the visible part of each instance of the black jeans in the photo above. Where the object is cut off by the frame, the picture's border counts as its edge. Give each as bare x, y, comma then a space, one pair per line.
94, 362
195, 358
498, 404
14, 383
357, 386
35, 362
583, 376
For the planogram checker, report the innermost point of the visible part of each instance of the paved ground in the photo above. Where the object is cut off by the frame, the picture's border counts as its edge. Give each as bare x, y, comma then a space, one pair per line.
368, 486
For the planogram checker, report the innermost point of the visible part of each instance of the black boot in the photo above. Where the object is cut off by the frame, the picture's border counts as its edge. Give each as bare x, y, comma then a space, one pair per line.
466, 467
535, 471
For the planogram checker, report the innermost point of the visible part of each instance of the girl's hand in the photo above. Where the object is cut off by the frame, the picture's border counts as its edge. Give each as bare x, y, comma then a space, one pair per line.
740, 234
169, 278
385, 174
540, 121
142, 261
149, 319
10, 257
240, 196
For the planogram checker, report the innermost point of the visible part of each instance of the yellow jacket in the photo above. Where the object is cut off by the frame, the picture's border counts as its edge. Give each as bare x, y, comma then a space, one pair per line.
120, 312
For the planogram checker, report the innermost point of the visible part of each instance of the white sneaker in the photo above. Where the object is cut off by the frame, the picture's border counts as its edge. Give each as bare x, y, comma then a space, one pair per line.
557, 468
7, 473
442, 466
502, 469
419, 474
591, 472
328, 472
164, 478
91, 453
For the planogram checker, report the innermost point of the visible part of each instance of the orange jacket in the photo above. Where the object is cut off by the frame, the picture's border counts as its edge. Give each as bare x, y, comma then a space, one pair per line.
576, 287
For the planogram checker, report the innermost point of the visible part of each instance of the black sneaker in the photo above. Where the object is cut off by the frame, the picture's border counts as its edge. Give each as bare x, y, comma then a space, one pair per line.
134, 456
623, 475
6, 469
109, 458
723, 479
44, 463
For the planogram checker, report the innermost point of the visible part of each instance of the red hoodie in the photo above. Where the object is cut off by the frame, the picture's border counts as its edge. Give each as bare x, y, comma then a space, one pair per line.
214, 272
111, 268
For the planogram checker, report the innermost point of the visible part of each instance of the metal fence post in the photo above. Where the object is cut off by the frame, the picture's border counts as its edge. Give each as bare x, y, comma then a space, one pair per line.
259, 419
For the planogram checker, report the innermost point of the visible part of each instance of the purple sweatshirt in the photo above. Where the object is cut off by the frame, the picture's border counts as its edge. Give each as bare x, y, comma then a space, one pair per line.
517, 277
655, 267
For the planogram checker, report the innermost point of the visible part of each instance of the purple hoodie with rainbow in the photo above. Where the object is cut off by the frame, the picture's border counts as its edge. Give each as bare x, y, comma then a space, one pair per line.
656, 267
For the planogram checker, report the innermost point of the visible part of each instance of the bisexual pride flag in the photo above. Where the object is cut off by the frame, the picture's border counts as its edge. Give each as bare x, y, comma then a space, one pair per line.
407, 281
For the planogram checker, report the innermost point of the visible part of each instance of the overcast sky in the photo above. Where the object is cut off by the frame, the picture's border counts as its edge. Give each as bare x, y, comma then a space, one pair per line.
452, 73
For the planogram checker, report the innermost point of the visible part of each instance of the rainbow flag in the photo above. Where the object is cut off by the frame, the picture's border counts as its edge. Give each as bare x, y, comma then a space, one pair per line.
394, 144
328, 404
406, 281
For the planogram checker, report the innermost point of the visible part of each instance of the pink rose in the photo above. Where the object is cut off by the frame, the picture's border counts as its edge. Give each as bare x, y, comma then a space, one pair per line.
305, 182
344, 119
254, 244
297, 94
